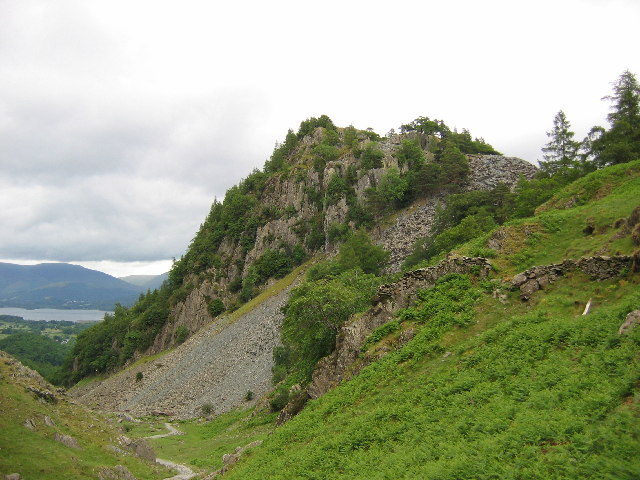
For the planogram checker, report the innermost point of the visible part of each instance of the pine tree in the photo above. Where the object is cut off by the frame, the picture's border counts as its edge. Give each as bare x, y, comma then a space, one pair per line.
621, 143
562, 151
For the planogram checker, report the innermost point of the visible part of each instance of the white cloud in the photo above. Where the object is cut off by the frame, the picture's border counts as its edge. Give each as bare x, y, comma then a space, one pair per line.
120, 121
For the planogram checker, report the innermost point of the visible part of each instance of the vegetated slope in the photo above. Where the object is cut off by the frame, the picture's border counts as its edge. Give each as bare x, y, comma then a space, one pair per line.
225, 365
34, 413
61, 285
321, 183
473, 382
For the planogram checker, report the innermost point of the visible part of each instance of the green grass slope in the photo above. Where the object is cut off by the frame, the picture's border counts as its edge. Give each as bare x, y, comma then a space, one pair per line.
490, 386
35, 454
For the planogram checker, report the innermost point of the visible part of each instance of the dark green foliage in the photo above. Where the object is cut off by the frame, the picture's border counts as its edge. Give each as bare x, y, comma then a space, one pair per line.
235, 285
181, 334
110, 343
309, 125
410, 153
278, 160
470, 227
139, 376
337, 188
338, 232
359, 214
453, 163
621, 143
322, 154
314, 312
350, 136
425, 126
216, 307
437, 128
37, 351
359, 252
316, 237
371, 156
391, 192
561, 153
466, 144
273, 263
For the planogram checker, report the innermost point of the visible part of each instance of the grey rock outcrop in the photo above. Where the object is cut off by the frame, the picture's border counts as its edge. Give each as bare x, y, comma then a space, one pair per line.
487, 171
66, 440
29, 424
631, 320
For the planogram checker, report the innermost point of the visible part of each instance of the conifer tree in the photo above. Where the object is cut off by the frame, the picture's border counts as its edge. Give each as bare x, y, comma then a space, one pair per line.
621, 143
562, 151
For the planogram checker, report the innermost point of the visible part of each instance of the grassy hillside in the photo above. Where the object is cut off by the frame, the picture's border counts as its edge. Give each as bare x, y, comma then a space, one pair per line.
35, 454
490, 386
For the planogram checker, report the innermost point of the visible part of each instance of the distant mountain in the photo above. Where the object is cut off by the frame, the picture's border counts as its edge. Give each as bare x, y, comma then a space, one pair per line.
146, 282
62, 285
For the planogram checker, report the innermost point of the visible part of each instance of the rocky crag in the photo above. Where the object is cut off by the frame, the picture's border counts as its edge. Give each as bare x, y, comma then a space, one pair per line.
297, 214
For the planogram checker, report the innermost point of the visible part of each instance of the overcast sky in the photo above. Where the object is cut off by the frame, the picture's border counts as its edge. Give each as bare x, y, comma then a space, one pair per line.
120, 121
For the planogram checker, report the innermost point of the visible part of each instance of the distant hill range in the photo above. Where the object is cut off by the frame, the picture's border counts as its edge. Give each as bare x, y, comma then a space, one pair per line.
146, 282
62, 285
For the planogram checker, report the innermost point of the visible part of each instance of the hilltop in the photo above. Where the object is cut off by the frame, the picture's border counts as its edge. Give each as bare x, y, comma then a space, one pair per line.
62, 285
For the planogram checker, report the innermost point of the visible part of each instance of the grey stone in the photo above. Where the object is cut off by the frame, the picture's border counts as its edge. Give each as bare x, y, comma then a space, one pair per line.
30, 424
66, 440
119, 472
13, 476
630, 321
143, 450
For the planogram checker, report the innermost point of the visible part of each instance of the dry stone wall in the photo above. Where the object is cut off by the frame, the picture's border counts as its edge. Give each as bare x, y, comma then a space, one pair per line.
598, 268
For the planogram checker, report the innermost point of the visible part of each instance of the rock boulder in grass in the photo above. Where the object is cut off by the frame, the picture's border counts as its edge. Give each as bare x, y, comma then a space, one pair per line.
119, 472
66, 440
630, 321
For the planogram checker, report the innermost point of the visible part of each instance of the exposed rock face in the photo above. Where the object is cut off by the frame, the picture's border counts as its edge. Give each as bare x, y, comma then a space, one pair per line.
598, 268
487, 171
215, 367
140, 447
390, 298
66, 440
289, 198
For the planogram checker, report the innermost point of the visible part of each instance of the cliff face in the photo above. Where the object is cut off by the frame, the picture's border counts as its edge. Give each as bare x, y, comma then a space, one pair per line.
299, 203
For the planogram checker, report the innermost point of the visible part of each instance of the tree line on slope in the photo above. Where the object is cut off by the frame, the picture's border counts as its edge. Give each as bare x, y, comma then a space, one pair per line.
470, 214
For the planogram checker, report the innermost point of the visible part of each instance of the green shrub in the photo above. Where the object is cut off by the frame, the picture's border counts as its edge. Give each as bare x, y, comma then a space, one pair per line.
371, 156
215, 307
337, 188
181, 334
